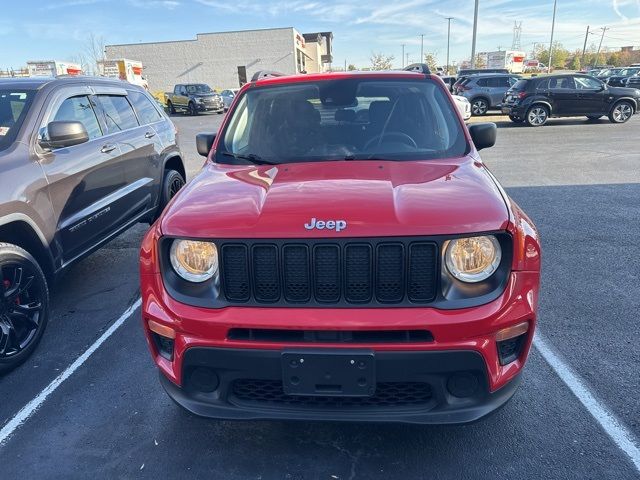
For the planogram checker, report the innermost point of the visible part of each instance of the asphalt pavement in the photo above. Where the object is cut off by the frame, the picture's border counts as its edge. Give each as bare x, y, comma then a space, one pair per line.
580, 183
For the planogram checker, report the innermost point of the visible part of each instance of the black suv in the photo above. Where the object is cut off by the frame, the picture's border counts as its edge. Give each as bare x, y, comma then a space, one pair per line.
81, 160
534, 100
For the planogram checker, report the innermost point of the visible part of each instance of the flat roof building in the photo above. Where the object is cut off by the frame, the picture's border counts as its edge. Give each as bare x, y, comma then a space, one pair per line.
228, 59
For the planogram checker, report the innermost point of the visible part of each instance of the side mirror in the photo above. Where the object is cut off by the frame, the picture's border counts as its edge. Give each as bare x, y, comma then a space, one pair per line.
63, 134
204, 142
483, 134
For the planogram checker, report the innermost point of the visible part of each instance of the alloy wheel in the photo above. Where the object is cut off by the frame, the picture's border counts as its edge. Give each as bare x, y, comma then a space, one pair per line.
479, 107
21, 307
176, 184
537, 116
622, 112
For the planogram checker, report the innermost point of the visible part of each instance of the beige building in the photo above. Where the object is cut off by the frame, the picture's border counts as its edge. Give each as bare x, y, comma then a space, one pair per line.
228, 59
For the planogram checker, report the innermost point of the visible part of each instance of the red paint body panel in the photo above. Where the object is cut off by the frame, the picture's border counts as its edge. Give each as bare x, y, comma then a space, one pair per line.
380, 199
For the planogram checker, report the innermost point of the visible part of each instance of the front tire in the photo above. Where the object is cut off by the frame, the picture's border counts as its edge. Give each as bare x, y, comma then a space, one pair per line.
172, 109
193, 110
24, 305
479, 107
172, 182
621, 112
537, 116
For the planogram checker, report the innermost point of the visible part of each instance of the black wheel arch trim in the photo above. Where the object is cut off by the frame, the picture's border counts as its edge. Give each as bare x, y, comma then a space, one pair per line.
631, 100
50, 267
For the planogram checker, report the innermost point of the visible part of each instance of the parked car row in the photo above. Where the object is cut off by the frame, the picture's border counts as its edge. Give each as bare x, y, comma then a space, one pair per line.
81, 160
535, 100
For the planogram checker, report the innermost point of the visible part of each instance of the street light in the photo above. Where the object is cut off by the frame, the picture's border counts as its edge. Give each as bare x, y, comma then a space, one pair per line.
448, 40
475, 30
403, 55
421, 47
553, 25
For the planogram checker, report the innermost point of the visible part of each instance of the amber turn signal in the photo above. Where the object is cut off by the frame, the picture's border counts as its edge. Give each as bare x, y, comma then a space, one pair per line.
163, 330
512, 332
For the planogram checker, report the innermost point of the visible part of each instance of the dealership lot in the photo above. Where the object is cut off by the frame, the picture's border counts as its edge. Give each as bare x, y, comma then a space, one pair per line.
579, 181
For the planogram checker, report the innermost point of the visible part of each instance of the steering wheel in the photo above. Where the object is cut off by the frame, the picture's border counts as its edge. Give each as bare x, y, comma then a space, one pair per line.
402, 137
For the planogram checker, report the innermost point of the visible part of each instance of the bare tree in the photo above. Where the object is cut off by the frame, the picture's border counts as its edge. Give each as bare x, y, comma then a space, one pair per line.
81, 59
380, 61
94, 50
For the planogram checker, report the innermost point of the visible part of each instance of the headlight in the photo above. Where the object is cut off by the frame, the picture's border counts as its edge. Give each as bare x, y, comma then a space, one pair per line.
194, 261
473, 259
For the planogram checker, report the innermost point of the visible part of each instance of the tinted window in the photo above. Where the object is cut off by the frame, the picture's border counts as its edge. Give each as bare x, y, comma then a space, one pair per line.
80, 109
117, 112
147, 112
351, 118
13, 108
199, 88
587, 83
520, 85
483, 82
561, 83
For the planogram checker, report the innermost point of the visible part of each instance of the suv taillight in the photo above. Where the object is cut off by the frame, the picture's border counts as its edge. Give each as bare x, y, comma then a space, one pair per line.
521, 95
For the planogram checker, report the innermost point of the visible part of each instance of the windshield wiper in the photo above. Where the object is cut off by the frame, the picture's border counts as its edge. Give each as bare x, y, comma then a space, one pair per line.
251, 157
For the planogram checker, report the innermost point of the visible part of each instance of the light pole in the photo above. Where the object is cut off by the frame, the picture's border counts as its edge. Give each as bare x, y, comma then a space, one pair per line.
553, 25
448, 40
421, 47
475, 31
403, 55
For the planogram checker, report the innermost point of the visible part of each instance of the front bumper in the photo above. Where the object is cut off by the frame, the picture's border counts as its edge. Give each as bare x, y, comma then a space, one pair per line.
210, 107
464, 340
412, 387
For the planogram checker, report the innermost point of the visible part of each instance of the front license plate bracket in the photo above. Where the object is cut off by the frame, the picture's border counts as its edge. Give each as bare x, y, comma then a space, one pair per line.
329, 374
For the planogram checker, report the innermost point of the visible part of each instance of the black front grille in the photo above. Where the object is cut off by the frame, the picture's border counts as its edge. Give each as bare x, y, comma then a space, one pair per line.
346, 272
388, 394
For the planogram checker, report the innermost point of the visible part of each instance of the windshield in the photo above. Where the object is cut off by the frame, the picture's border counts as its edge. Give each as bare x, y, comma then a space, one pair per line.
199, 88
399, 119
14, 105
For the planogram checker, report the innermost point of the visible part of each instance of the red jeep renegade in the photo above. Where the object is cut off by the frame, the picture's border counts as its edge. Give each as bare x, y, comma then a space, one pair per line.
344, 254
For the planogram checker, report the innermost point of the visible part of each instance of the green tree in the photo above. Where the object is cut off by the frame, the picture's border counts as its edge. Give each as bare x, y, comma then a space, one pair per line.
430, 60
575, 63
614, 59
480, 61
380, 61
351, 67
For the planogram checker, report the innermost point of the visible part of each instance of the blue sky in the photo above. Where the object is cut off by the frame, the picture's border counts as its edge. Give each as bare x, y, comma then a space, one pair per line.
58, 29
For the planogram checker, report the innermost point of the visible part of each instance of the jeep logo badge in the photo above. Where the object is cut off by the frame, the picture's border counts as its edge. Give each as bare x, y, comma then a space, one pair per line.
336, 225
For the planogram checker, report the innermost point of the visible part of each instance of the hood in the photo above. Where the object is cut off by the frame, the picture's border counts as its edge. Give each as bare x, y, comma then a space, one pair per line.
206, 95
374, 198
628, 91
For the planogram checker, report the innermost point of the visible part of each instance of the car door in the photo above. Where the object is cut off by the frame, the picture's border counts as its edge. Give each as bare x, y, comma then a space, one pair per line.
500, 85
591, 96
563, 95
138, 150
160, 133
84, 179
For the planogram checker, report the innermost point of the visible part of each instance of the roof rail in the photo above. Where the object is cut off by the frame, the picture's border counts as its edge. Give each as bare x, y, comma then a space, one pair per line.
418, 68
266, 74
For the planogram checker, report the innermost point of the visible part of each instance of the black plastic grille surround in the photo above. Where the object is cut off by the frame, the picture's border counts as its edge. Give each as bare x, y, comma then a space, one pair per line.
388, 394
326, 272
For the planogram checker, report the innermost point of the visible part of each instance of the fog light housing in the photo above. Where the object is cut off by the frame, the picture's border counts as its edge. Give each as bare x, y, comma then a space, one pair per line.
462, 384
163, 338
510, 341
203, 379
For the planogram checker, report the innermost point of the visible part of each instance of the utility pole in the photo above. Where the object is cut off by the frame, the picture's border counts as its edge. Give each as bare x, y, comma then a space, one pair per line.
402, 55
448, 40
345, 64
421, 48
604, 29
584, 48
407, 59
475, 31
553, 26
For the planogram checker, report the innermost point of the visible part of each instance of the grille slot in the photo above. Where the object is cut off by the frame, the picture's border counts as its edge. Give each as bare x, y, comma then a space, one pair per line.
422, 272
319, 272
327, 273
296, 273
236, 272
329, 336
265, 273
358, 273
390, 273
388, 394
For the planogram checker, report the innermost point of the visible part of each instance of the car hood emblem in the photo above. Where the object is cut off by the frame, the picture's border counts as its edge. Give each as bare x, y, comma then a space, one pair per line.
316, 224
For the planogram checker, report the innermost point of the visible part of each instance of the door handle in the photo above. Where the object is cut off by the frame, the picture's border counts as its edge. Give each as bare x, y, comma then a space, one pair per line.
149, 134
109, 147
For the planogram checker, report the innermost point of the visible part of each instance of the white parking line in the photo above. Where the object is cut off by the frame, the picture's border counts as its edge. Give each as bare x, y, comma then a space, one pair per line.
31, 407
622, 437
